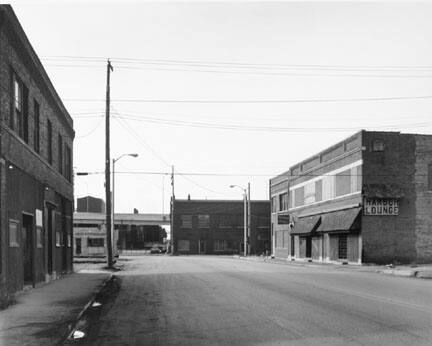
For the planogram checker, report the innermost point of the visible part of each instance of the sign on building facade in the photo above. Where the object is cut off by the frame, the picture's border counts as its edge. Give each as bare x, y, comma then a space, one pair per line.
381, 206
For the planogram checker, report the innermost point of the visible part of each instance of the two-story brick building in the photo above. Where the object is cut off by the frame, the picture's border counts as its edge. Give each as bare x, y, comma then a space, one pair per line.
365, 199
36, 190
217, 227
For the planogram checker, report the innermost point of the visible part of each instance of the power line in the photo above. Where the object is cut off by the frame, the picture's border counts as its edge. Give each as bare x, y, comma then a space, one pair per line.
260, 128
242, 64
245, 101
272, 175
140, 140
259, 72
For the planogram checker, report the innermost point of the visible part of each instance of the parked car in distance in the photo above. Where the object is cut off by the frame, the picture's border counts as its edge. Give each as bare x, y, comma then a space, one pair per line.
155, 249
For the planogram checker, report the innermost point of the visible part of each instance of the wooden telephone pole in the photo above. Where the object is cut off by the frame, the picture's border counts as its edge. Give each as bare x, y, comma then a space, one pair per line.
108, 170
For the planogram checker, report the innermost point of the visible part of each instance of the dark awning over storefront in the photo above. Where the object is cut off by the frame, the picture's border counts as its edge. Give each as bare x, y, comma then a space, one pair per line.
341, 220
306, 225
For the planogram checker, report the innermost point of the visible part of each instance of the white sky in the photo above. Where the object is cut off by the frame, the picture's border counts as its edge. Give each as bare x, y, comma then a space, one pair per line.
372, 43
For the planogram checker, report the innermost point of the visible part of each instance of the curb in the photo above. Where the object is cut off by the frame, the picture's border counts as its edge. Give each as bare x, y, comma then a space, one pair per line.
409, 273
73, 326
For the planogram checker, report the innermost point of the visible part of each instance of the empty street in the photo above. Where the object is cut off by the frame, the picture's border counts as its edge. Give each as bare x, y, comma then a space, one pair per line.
201, 300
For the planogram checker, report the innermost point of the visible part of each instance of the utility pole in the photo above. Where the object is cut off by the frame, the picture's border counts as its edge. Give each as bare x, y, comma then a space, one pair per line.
249, 219
172, 210
108, 170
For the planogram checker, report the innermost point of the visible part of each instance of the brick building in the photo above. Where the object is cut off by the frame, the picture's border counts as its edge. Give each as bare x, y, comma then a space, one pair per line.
36, 191
216, 227
365, 199
90, 204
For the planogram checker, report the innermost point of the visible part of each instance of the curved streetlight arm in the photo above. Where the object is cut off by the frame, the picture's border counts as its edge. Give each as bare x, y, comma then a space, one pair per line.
118, 158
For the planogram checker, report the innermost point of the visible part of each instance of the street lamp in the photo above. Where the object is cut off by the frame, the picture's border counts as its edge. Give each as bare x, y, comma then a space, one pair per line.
245, 217
113, 187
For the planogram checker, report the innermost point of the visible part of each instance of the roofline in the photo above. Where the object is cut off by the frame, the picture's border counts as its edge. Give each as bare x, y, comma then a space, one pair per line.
220, 200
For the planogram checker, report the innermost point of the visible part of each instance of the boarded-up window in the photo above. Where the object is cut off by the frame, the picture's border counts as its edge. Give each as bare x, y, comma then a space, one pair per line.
186, 221
203, 221
13, 233
299, 196
183, 245
318, 190
343, 183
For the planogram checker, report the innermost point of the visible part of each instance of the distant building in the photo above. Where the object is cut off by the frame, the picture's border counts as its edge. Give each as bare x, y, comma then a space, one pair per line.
216, 227
365, 199
131, 232
36, 191
90, 235
90, 204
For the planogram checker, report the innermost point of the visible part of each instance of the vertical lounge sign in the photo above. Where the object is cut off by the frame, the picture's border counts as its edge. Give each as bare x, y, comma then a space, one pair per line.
381, 206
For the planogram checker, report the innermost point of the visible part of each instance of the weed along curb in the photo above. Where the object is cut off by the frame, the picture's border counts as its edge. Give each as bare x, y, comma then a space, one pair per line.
78, 331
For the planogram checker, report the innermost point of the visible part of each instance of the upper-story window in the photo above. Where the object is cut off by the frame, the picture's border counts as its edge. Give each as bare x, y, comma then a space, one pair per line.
318, 190
19, 114
68, 163
60, 154
186, 221
283, 201
378, 145
36, 135
343, 183
49, 142
299, 196
430, 177
203, 221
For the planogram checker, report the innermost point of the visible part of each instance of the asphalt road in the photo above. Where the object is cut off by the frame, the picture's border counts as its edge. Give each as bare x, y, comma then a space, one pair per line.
202, 300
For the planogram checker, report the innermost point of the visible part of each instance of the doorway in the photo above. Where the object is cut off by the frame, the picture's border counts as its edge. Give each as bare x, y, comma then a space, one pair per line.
78, 246
50, 239
201, 247
28, 248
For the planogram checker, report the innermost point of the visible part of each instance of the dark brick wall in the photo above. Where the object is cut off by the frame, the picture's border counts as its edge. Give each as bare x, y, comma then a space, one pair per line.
260, 236
388, 239
26, 175
90, 204
423, 202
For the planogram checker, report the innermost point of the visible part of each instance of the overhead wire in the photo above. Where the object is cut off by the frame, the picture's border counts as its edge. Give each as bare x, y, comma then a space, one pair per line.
258, 101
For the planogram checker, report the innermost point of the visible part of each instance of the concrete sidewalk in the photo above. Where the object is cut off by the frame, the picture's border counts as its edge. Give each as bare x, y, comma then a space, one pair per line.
44, 315
423, 271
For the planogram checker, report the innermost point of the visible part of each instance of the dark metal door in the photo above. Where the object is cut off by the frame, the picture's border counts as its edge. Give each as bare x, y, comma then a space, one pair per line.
50, 240
27, 241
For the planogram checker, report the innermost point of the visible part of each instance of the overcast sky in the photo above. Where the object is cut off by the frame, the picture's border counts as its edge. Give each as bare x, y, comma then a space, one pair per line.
256, 53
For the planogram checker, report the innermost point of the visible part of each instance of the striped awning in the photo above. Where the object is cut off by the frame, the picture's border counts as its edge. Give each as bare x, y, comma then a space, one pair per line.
306, 225
341, 220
